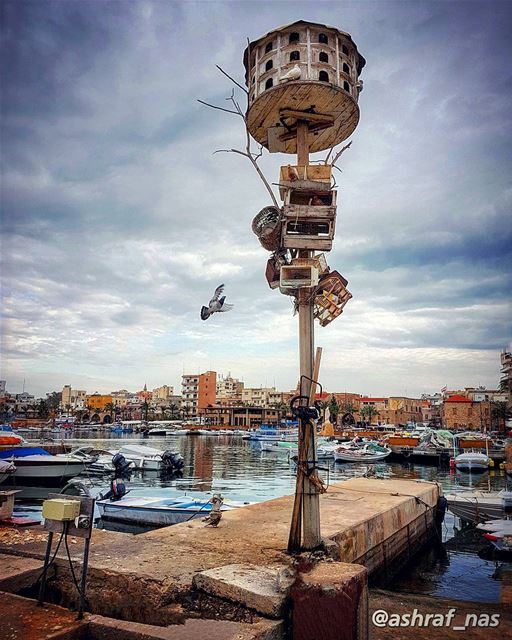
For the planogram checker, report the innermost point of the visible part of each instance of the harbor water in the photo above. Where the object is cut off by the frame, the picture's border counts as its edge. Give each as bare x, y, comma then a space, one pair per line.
464, 568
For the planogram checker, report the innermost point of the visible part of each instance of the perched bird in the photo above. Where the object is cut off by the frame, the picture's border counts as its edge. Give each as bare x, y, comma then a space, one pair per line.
216, 304
293, 174
359, 86
316, 201
293, 74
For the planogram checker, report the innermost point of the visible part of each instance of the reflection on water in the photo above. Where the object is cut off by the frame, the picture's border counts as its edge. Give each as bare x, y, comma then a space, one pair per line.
241, 471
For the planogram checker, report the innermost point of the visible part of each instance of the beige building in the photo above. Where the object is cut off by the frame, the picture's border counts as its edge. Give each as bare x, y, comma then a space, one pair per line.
73, 398
198, 392
228, 387
257, 397
162, 393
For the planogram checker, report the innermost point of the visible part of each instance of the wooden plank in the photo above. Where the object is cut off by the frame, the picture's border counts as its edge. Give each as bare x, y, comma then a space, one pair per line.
308, 117
302, 143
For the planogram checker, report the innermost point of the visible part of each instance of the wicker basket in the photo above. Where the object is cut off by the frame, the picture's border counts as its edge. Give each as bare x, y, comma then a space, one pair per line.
267, 226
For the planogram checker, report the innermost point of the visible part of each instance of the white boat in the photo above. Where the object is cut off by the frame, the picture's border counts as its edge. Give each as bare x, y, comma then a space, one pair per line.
476, 506
288, 448
35, 464
6, 470
146, 458
472, 462
499, 532
157, 511
370, 452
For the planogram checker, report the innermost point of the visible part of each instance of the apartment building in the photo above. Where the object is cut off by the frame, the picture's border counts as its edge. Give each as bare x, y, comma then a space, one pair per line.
162, 393
229, 387
73, 398
198, 392
257, 397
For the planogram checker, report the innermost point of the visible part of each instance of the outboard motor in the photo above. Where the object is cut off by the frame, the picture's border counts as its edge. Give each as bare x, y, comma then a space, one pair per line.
172, 460
121, 466
117, 489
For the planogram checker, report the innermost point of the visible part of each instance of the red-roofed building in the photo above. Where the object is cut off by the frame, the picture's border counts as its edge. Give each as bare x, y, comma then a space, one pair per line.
460, 412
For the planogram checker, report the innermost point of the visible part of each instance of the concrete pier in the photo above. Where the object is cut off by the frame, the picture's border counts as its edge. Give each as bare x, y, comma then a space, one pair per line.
170, 575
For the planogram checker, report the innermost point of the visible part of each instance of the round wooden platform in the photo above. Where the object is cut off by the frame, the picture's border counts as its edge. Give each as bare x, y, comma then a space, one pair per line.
300, 95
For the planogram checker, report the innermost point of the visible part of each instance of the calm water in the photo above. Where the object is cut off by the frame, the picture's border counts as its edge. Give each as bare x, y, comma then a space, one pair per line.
241, 471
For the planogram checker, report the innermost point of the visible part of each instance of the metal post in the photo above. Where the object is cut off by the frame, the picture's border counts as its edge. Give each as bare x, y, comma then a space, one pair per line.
42, 586
83, 580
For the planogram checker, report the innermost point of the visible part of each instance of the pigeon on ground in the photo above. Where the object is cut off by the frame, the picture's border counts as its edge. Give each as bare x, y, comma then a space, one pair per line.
293, 74
216, 304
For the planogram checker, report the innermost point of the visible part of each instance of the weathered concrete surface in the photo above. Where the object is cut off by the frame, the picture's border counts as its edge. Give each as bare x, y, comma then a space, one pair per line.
479, 612
22, 619
18, 573
263, 589
329, 602
133, 576
107, 629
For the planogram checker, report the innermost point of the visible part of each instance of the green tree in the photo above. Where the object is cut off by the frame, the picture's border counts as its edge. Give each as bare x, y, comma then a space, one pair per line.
42, 409
368, 413
53, 400
334, 409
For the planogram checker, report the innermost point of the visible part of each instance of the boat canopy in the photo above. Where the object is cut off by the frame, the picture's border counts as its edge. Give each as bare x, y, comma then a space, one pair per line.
21, 452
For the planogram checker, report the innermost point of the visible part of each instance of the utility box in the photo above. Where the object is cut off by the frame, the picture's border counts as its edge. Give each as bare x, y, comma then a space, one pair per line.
298, 276
61, 509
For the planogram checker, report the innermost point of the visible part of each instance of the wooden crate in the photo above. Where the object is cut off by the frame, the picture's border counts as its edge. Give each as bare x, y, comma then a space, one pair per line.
312, 177
306, 227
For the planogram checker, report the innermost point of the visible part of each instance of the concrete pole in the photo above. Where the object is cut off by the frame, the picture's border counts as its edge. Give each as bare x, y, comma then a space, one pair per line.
307, 454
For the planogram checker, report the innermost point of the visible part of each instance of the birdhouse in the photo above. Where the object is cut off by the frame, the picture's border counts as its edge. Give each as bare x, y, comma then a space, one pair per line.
308, 220
312, 177
303, 71
298, 276
267, 226
331, 296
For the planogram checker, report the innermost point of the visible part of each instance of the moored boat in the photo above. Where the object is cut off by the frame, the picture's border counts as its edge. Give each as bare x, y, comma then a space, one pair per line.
36, 464
475, 506
369, 452
157, 511
476, 462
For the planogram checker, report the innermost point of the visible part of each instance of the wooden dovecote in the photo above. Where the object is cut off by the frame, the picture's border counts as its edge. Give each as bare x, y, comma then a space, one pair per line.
327, 86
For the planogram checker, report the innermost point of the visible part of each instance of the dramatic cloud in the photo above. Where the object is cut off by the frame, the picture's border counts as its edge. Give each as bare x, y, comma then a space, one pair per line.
118, 222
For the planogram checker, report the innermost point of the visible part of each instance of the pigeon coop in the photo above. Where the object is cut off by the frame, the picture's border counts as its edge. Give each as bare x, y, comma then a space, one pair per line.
331, 296
302, 69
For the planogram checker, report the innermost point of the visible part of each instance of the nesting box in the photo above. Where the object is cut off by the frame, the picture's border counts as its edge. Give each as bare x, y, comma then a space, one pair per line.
325, 93
314, 178
267, 226
331, 296
298, 276
309, 227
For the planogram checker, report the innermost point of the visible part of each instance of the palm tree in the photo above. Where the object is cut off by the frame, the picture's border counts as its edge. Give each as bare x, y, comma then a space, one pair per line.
173, 409
369, 412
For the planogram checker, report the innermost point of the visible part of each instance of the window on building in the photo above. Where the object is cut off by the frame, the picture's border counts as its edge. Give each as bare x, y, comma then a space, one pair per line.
269, 64
323, 76
294, 55
268, 47
346, 68
269, 83
294, 37
323, 57
346, 85
344, 49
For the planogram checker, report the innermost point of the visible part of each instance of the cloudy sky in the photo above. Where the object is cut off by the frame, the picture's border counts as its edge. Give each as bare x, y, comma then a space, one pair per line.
118, 222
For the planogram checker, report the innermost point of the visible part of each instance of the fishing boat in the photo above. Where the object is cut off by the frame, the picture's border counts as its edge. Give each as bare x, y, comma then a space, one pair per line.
157, 511
34, 464
369, 452
476, 506
148, 458
472, 462
286, 431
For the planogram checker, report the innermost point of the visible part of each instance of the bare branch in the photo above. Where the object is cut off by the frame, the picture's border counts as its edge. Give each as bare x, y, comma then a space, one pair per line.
347, 146
242, 153
232, 79
212, 106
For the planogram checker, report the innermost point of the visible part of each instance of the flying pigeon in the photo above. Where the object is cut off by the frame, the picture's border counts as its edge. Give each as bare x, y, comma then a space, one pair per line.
216, 304
293, 74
